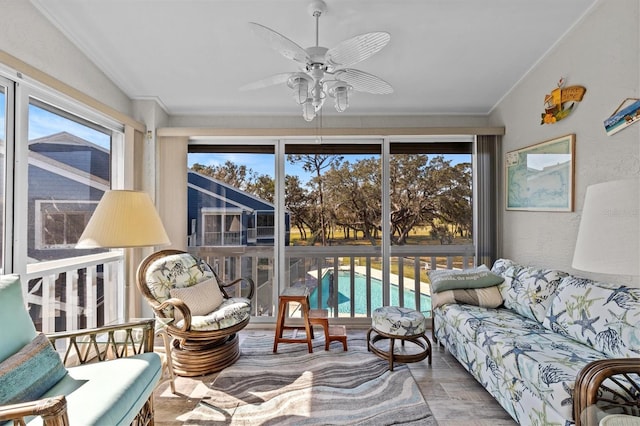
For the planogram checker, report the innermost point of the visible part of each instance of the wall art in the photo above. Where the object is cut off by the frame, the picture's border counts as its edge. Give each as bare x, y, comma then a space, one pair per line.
540, 177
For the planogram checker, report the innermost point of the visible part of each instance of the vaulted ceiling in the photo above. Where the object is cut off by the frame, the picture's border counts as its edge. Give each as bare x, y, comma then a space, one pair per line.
444, 57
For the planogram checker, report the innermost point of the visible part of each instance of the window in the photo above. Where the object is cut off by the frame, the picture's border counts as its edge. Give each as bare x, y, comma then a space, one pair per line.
69, 170
61, 223
354, 247
230, 213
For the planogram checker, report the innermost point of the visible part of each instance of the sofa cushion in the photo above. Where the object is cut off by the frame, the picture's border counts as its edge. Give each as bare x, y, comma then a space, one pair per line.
12, 311
231, 312
529, 290
97, 396
545, 362
601, 315
30, 372
501, 265
450, 279
488, 297
202, 298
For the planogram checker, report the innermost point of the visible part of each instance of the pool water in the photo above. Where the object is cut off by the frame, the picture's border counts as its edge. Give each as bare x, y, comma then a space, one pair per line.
360, 296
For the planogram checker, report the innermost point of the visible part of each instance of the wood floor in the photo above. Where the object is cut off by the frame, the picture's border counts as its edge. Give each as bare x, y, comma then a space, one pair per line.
454, 396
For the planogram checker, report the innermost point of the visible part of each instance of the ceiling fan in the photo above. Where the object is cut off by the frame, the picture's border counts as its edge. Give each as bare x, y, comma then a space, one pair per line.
324, 71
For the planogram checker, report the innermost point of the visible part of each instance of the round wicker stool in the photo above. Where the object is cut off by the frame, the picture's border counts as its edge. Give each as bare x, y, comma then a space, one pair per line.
404, 324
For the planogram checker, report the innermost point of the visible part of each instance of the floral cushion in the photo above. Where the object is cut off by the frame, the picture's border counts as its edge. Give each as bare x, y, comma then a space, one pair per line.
398, 321
601, 315
529, 291
231, 312
175, 271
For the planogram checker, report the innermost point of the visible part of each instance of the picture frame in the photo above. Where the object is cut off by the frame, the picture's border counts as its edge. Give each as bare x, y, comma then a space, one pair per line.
540, 177
623, 117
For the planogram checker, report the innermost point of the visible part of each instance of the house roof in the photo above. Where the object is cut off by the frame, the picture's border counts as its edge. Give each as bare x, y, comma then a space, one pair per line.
444, 57
222, 195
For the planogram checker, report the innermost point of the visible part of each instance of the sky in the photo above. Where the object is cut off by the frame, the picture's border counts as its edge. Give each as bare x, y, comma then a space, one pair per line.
45, 123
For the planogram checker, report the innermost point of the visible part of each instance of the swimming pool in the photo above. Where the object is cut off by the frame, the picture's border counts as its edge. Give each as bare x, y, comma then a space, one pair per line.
360, 296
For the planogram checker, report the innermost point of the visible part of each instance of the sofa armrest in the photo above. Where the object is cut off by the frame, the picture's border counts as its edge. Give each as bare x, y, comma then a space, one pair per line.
107, 342
619, 374
52, 410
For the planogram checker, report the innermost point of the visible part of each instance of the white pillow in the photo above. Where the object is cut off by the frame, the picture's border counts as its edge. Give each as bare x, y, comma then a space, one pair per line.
202, 298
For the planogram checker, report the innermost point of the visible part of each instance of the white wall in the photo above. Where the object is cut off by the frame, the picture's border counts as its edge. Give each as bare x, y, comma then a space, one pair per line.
28, 36
601, 53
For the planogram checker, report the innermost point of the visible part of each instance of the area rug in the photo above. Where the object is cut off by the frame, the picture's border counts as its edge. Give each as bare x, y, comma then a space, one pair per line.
294, 387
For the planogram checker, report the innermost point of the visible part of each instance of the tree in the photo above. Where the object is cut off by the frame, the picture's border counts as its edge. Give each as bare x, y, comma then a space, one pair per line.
429, 192
316, 163
297, 202
241, 177
353, 190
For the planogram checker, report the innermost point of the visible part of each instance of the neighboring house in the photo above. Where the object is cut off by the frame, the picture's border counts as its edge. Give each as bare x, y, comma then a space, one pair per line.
67, 177
221, 215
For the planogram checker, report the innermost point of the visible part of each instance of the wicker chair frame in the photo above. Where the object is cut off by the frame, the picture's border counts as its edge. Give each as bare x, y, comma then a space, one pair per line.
194, 352
87, 346
617, 375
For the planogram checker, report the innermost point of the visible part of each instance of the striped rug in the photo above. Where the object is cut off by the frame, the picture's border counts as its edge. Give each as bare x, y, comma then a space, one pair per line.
294, 387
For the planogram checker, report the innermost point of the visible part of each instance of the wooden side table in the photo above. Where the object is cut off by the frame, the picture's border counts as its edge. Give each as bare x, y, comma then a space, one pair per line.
299, 295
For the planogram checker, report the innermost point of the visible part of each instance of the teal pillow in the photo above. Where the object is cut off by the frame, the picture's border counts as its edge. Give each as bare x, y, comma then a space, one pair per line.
29, 373
17, 328
451, 279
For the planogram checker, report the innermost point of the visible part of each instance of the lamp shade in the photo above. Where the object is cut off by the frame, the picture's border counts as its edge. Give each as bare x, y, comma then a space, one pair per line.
609, 235
124, 219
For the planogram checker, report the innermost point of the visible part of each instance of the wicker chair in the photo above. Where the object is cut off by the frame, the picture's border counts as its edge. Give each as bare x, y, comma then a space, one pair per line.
106, 375
201, 318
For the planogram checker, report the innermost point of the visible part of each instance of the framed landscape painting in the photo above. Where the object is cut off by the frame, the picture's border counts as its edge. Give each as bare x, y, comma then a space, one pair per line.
540, 177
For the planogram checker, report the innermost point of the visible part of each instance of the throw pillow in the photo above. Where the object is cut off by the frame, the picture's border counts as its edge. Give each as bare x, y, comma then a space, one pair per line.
202, 298
529, 291
601, 315
30, 372
488, 297
449, 279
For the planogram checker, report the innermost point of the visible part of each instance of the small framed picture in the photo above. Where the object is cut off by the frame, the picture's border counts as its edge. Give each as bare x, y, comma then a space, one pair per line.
540, 177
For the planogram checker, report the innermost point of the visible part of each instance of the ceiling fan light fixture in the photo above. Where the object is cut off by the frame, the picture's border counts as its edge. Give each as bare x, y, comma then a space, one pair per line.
308, 110
299, 84
341, 94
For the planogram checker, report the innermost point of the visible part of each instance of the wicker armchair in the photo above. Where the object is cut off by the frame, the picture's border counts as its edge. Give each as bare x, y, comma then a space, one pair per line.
106, 374
200, 316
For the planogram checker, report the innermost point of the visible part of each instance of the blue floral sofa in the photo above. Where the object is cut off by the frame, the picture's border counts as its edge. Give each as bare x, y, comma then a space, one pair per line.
558, 350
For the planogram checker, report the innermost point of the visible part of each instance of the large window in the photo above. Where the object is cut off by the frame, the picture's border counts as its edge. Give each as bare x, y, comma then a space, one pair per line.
361, 221
60, 164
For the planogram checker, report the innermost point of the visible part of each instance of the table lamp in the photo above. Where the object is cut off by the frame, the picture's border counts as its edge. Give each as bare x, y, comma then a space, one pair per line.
609, 235
124, 219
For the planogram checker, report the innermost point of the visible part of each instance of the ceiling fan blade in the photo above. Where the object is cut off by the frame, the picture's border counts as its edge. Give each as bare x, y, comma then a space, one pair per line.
363, 82
280, 43
266, 82
357, 49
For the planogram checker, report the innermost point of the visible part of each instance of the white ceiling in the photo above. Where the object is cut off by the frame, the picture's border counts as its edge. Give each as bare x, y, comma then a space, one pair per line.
445, 56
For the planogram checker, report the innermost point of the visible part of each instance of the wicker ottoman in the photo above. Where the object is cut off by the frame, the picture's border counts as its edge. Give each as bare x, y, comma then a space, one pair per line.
407, 325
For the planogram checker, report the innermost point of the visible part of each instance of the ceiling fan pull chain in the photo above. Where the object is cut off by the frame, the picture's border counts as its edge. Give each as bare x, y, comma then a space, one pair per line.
317, 14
